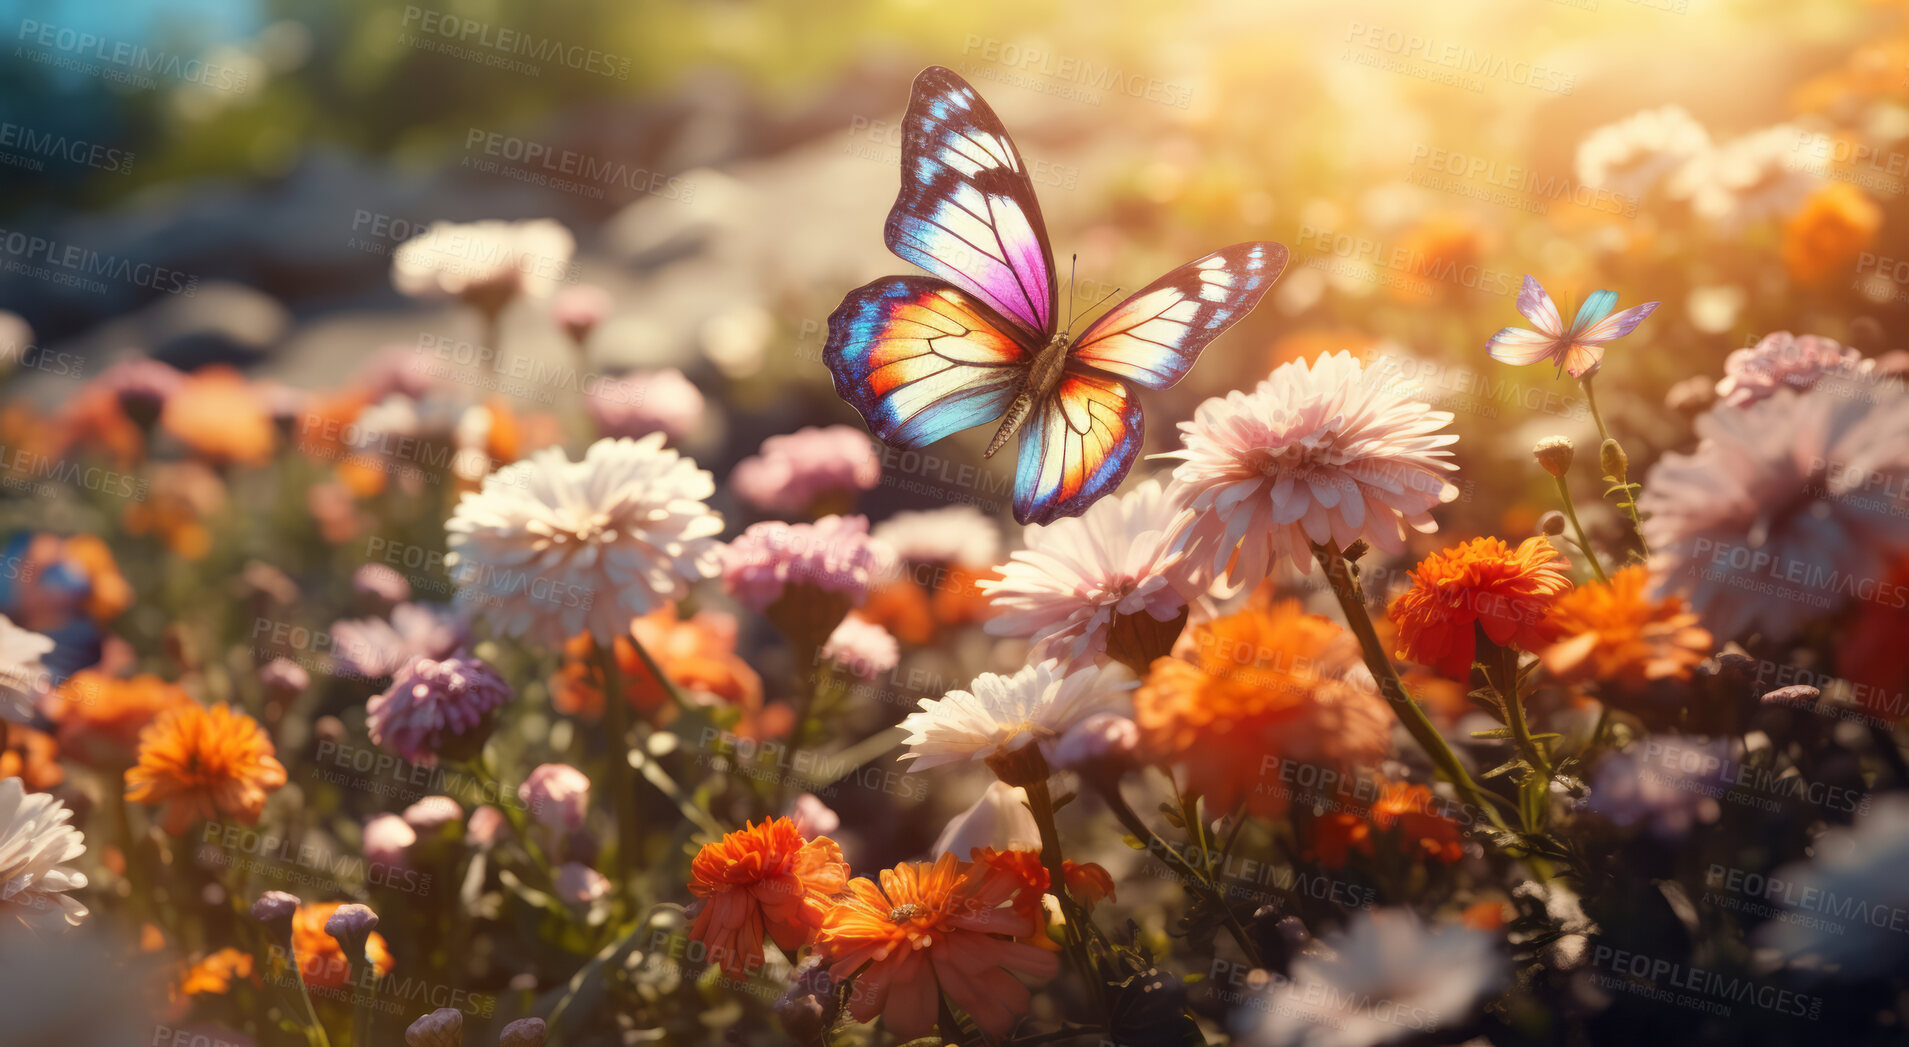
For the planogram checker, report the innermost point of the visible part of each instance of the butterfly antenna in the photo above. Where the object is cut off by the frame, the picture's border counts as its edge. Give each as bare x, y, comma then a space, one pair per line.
1071, 263
1099, 300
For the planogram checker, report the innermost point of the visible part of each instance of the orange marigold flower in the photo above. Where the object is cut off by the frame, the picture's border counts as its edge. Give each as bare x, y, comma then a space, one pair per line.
1336, 835
98, 717
1835, 225
762, 878
218, 415
33, 757
198, 763
958, 600
1483, 582
320, 958
216, 973
697, 653
903, 608
1423, 831
1617, 633
1087, 882
948, 928
1247, 693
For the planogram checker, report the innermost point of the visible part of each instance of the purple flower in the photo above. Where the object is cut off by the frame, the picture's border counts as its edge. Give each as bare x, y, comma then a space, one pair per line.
796, 471
284, 677
142, 386
834, 554
435, 705
432, 813
380, 583
557, 795
1662, 784
374, 647
861, 648
636, 405
386, 838
1783, 360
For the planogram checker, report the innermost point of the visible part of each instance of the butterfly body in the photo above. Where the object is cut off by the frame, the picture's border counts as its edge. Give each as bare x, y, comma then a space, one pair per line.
924, 357
1043, 377
1578, 348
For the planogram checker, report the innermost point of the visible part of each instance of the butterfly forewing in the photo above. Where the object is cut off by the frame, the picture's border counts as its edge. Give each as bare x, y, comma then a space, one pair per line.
967, 211
921, 359
1153, 337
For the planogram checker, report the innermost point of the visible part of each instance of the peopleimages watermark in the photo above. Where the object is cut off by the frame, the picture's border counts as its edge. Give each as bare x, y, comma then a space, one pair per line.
881, 141
1444, 61
78, 50
1808, 904
1065, 76
72, 265
1417, 269
566, 170
29, 148
1713, 992
500, 46
1509, 185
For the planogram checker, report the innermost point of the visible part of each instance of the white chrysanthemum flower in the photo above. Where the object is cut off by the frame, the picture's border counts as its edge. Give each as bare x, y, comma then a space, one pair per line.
1003, 714
1333, 452
485, 264
1759, 176
1386, 978
1634, 154
35, 844
1122, 556
1856, 872
549, 548
22, 678
999, 819
956, 534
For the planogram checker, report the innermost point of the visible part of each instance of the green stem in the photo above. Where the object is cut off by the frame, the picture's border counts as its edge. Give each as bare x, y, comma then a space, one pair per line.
1584, 540
1590, 398
1195, 878
1507, 684
616, 717
1392, 688
1041, 803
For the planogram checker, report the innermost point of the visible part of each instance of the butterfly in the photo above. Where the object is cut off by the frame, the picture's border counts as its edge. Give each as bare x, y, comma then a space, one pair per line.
924, 357
1579, 350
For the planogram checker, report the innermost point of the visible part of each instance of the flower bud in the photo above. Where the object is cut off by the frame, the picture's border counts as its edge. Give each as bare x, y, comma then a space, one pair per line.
1555, 454
443, 1027
524, 1032
1551, 523
1611, 459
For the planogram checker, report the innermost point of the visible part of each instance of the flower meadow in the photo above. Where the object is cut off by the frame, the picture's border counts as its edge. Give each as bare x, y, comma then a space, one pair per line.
1501, 635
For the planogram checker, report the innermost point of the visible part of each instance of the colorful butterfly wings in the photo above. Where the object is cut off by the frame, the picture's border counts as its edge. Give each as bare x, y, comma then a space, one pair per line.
925, 357
1580, 348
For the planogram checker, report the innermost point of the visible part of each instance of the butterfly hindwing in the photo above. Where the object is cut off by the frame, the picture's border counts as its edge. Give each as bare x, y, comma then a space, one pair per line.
1154, 336
1076, 447
967, 211
921, 359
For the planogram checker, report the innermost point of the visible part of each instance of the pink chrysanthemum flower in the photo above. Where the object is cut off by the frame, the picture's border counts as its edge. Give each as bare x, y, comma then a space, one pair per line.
550, 548
556, 795
796, 471
434, 706
1783, 360
834, 554
645, 402
861, 648
1333, 452
1787, 510
1122, 556
374, 647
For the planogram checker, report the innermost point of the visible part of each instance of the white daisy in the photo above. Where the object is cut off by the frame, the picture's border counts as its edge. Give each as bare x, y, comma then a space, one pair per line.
956, 534
1003, 714
549, 548
35, 844
1386, 978
22, 678
1632, 156
1120, 557
484, 264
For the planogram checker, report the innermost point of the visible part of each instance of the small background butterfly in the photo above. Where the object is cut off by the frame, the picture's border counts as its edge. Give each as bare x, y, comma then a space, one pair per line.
923, 357
1578, 350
